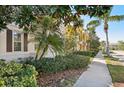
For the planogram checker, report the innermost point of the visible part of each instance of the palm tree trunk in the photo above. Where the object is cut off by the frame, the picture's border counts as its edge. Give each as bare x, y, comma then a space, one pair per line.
106, 32
37, 52
43, 52
107, 44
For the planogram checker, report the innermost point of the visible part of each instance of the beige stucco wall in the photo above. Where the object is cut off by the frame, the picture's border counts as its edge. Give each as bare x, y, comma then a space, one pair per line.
31, 45
2, 42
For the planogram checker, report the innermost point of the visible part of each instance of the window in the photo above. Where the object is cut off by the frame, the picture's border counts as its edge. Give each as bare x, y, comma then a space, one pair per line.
17, 41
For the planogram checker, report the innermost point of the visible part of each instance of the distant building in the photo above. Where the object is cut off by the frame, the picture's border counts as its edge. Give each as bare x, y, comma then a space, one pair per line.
81, 37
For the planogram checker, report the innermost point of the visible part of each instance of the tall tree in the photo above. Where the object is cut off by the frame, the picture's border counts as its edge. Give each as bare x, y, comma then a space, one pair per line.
6, 15
106, 18
25, 15
94, 40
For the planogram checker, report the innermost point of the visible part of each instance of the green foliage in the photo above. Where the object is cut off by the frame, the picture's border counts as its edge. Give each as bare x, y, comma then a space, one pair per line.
17, 75
2, 82
121, 45
92, 10
69, 44
6, 14
24, 16
116, 18
94, 40
60, 63
93, 24
48, 36
94, 44
86, 53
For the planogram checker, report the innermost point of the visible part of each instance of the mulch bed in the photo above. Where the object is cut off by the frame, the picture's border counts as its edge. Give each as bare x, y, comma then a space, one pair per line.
54, 80
118, 84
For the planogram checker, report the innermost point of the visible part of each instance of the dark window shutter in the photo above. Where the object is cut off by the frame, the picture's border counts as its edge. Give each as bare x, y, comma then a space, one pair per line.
25, 42
9, 40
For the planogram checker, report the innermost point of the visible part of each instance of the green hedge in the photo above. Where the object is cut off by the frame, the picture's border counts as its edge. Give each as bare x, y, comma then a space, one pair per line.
60, 63
86, 53
13, 74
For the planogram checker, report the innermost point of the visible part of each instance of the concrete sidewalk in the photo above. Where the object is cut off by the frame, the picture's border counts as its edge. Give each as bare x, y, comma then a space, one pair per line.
97, 75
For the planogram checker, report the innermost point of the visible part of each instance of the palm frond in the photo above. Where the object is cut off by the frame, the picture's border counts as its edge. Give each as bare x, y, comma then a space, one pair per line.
56, 42
116, 18
93, 23
91, 26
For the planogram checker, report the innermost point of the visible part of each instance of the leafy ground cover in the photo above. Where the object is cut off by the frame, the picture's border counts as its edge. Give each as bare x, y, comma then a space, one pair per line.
13, 74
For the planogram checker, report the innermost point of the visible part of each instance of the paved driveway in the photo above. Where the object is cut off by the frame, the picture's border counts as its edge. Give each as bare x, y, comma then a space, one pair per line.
118, 54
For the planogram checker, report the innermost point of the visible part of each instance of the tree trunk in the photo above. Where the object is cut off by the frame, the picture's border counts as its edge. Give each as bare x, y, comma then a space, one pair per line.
42, 54
106, 32
107, 44
37, 52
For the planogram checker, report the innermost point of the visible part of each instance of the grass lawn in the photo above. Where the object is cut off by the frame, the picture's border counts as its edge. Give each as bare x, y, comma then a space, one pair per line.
116, 69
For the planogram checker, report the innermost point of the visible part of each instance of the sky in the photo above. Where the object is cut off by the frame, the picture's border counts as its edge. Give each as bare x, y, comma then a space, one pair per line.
116, 29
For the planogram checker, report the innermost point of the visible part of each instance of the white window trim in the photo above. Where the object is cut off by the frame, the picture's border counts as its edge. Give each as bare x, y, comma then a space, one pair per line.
22, 42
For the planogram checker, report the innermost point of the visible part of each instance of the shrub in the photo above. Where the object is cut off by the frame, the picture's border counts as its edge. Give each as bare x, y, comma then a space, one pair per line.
86, 53
2, 60
17, 75
77, 61
60, 63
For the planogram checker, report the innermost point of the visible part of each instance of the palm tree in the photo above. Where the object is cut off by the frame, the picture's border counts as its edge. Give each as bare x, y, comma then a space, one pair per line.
48, 36
108, 18
91, 27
